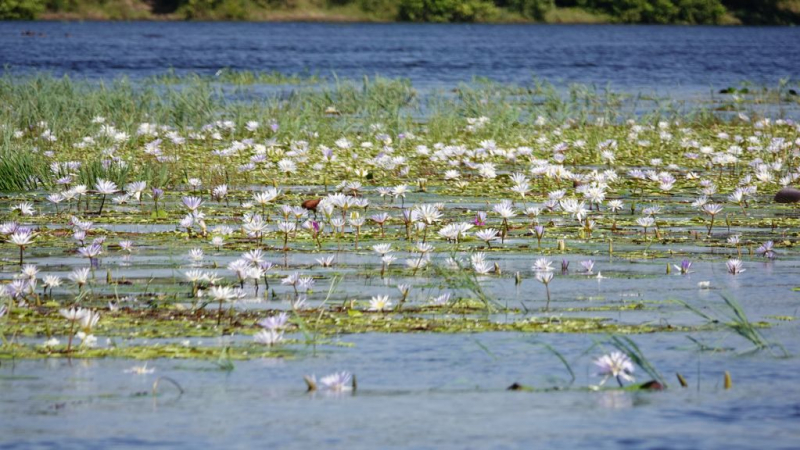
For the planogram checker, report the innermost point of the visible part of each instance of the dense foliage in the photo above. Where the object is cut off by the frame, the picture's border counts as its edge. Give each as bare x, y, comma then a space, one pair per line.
659, 11
446, 10
778, 12
20, 9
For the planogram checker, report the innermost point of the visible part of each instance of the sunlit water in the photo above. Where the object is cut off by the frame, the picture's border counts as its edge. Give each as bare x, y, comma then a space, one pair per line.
415, 391
630, 58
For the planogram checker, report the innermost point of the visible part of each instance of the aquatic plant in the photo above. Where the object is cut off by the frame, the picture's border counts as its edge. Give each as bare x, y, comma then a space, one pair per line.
615, 365
543, 265
487, 235
221, 294
539, 231
766, 250
735, 320
712, 210
104, 187
646, 222
545, 278
80, 277
685, 267
268, 337
632, 351
380, 303
338, 381
335, 382
230, 178
21, 238
735, 266
73, 315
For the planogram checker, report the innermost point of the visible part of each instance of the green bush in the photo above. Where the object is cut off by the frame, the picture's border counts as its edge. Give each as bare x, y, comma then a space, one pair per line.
195, 9
530, 9
446, 10
232, 9
700, 11
20, 9
215, 9
385, 9
61, 5
765, 12
659, 11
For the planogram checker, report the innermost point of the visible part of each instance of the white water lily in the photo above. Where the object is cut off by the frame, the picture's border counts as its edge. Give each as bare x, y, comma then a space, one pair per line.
379, 303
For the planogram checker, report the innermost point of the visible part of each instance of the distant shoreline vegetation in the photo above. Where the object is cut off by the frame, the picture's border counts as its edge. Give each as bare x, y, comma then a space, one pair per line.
689, 12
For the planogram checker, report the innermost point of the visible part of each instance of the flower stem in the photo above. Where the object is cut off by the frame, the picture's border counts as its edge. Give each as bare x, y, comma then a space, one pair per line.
547, 288
71, 334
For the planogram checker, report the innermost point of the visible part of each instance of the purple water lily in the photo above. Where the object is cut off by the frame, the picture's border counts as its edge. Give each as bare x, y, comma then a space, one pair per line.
766, 250
480, 219
685, 267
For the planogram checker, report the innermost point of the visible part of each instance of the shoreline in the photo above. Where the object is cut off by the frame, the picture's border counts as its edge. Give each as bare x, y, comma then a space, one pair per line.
667, 12
563, 16
356, 20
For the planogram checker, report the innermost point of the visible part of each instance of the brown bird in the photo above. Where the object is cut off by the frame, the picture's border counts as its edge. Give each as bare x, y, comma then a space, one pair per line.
788, 195
652, 385
311, 204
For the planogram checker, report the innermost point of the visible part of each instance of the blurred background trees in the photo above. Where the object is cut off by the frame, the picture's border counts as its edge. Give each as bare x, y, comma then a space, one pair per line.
757, 12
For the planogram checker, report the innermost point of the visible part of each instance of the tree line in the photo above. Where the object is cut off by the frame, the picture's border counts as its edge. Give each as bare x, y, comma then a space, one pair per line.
695, 12
712, 12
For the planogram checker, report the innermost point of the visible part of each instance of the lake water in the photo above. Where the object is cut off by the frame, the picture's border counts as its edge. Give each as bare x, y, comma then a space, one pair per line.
415, 391
427, 390
671, 58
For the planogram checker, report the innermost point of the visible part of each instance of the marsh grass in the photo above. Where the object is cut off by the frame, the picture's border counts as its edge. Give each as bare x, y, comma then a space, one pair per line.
734, 319
552, 350
93, 170
67, 103
224, 362
311, 330
169, 380
66, 107
628, 346
466, 279
20, 170
236, 77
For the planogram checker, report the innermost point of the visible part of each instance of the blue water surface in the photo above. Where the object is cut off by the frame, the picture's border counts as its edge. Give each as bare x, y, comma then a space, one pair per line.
626, 57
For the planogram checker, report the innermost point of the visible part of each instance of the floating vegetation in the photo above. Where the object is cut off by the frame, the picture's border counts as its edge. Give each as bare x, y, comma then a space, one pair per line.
184, 208
141, 352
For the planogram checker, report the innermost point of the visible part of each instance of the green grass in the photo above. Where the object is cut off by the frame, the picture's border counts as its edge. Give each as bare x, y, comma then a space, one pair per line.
236, 77
330, 110
734, 319
575, 15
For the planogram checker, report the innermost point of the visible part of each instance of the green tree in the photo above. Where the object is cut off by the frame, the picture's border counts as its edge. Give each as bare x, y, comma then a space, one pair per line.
765, 12
20, 9
446, 10
215, 9
658, 11
531, 9
385, 9
699, 11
